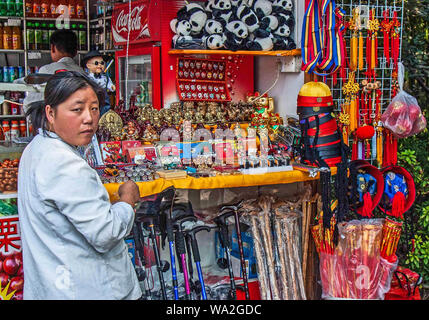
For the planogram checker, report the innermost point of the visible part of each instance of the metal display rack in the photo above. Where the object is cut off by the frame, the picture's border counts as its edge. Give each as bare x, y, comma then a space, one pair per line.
383, 71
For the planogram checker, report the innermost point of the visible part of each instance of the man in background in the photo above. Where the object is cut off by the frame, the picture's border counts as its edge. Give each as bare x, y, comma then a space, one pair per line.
64, 45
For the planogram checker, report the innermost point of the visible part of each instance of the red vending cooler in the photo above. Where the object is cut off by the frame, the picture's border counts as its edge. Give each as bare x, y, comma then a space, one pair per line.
144, 64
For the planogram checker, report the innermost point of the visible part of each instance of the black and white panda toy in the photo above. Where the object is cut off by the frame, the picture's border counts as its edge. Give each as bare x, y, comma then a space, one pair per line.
248, 17
282, 36
196, 15
269, 23
236, 34
262, 8
221, 10
182, 30
214, 41
261, 43
236, 25
180, 27
282, 6
213, 27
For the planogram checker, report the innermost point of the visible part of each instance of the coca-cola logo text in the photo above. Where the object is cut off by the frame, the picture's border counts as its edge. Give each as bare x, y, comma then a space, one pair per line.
135, 20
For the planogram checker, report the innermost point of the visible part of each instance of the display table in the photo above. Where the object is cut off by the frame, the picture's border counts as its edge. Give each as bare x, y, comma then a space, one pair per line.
228, 181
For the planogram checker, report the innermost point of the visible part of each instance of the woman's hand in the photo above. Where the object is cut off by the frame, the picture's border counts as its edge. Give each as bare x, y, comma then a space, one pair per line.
129, 192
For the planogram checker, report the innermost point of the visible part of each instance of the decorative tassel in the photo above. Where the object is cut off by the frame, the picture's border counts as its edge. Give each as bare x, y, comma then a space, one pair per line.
353, 114
398, 205
360, 51
379, 146
360, 150
374, 145
354, 150
345, 135
367, 205
353, 52
367, 149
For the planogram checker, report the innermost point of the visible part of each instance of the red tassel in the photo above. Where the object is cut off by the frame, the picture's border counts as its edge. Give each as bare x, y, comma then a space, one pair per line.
398, 205
367, 205
395, 151
354, 149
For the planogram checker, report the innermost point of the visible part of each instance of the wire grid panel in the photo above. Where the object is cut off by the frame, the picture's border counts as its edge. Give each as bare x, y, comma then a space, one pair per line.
384, 70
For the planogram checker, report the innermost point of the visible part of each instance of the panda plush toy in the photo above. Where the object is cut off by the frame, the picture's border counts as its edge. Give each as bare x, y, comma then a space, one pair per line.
248, 17
213, 27
268, 24
180, 27
214, 41
282, 36
221, 10
261, 43
262, 8
182, 30
236, 35
282, 6
196, 15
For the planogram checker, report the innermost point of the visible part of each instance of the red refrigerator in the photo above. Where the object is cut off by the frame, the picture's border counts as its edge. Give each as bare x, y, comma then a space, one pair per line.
144, 61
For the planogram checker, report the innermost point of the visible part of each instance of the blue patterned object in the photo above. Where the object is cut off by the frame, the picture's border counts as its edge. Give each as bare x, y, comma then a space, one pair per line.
394, 183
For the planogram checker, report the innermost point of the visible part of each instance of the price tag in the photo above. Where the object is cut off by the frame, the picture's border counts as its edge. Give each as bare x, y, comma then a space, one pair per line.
14, 22
34, 55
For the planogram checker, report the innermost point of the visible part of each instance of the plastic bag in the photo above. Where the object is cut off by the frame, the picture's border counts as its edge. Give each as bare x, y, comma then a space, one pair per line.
403, 116
356, 270
404, 285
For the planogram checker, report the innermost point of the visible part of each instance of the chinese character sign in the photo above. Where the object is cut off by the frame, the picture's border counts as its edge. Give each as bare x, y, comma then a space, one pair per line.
11, 269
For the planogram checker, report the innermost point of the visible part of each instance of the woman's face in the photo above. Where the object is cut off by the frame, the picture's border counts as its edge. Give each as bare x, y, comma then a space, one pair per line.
76, 119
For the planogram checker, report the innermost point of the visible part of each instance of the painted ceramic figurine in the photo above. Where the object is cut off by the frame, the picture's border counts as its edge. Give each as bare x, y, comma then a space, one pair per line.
130, 131
263, 104
95, 63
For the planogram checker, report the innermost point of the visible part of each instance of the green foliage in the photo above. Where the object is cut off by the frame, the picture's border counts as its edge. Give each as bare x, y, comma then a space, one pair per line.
413, 152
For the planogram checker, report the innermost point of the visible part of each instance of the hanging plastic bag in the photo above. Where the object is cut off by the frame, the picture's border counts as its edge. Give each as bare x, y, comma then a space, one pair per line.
403, 116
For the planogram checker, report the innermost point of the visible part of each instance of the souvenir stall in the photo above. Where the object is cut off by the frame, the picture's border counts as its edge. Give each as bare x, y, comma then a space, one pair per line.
244, 197
208, 134
358, 75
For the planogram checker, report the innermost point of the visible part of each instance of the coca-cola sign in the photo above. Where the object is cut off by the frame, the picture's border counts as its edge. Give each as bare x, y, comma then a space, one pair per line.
133, 25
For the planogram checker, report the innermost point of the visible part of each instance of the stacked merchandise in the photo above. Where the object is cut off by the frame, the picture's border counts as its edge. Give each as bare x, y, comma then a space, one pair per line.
194, 138
358, 256
272, 257
276, 235
260, 25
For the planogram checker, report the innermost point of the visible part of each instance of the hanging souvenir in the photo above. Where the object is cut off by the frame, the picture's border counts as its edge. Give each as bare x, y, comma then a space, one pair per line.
366, 187
399, 192
321, 53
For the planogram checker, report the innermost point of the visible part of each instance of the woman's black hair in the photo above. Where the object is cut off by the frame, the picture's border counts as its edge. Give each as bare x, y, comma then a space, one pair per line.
58, 89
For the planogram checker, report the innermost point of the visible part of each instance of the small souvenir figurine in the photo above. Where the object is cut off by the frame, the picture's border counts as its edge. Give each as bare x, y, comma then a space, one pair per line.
274, 124
111, 122
220, 116
199, 117
262, 104
150, 135
95, 63
231, 112
202, 108
155, 119
130, 131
